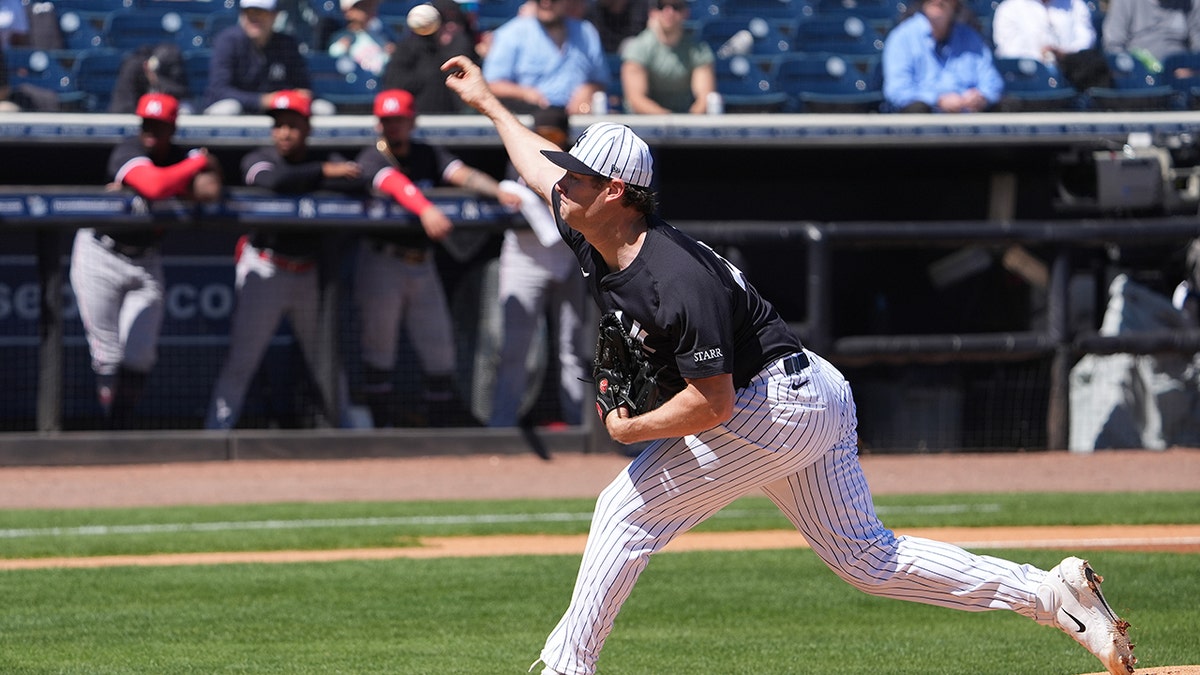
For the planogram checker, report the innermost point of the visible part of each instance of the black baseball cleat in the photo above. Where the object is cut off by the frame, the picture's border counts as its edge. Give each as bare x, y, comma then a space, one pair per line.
1071, 592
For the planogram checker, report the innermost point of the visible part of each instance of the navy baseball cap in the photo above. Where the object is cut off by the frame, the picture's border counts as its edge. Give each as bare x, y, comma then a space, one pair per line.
608, 150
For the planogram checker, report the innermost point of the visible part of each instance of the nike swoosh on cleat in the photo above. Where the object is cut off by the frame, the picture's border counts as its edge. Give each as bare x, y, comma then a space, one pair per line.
1079, 623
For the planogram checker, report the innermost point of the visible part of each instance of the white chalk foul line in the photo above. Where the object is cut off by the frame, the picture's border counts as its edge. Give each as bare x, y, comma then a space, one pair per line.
407, 521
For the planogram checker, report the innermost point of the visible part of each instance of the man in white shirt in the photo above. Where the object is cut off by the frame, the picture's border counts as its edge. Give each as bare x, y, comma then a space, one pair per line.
1045, 30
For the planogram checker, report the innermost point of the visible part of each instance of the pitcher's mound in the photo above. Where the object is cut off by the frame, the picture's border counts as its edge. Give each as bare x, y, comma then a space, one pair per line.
1163, 670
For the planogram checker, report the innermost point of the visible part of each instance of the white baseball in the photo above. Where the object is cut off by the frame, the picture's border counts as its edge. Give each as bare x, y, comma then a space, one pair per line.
424, 19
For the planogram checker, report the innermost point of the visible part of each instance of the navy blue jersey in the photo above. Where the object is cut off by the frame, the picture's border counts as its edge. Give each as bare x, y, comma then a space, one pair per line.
424, 165
266, 168
693, 311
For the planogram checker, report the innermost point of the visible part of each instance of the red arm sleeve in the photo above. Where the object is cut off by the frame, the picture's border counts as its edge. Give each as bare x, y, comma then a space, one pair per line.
403, 191
160, 182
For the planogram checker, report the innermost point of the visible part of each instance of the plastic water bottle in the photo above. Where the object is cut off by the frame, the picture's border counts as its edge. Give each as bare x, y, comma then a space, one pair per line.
599, 103
738, 43
714, 104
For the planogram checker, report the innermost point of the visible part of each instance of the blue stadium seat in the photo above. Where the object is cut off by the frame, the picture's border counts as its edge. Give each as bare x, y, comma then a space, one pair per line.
44, 69
1182, 73
747, 83
101, 6
829, 83
1135, 88
131, 29
983, 8
95, 74
396, 7
197, 7
837, 35
616, 96
493, 13
766, 36
82, 30
217, 23
790, 10
195, 65
867, 10
1032, 86
342, 82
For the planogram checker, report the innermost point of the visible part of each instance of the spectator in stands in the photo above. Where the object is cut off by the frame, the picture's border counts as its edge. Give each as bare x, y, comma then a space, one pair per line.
539, 278
117, 274
364, 38
252, 62
546, 59
618, 21
151, 69
1152, 30
664, 70
1045, 30
277, 269
416, 65
397, 282
933, 61
14, 24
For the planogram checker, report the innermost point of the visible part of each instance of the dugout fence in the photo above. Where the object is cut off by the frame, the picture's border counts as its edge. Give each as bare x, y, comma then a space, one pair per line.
932, 391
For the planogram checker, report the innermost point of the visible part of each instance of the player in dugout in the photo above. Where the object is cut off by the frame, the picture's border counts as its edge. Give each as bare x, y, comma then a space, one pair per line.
117, 273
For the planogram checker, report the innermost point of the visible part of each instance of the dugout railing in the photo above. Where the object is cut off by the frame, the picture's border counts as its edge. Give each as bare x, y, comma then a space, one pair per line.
51, 212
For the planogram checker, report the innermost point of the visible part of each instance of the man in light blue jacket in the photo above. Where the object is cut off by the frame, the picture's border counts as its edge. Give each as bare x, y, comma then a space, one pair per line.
935, 62
547, 59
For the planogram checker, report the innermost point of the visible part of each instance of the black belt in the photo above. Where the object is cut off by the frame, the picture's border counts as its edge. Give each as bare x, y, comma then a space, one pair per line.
795, 363
409, 254
127, 250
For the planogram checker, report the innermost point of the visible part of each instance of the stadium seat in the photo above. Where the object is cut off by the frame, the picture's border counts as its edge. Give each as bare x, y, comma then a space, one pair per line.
102, 6
766, 38
747, 84
837, 35
829, 83
1182, 73
1135, 88
616, 96
131, 29
493, 13
342, 82
396, 7
1032, 86
82, 30
95, 74
768, 9
195, 65
983, 8
867, 10
43, 69
197, 7
216, 23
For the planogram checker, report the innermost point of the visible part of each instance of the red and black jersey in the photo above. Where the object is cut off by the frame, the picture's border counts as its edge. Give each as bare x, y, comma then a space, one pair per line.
424, 165
693, 311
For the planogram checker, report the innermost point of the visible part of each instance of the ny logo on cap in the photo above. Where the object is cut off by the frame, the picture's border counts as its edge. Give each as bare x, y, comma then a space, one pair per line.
154, 108
391, 105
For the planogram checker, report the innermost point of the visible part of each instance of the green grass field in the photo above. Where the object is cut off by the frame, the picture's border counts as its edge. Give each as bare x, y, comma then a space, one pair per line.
703, 612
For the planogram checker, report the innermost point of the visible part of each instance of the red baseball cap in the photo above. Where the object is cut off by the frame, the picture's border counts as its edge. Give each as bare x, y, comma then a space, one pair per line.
394, 103
296, 101
161, 107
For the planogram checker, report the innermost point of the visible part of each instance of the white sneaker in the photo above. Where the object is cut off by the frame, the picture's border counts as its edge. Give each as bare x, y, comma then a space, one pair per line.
1071, 592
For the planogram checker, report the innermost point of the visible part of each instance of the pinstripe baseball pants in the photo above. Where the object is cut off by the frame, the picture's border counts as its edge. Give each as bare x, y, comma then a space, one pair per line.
794, 436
